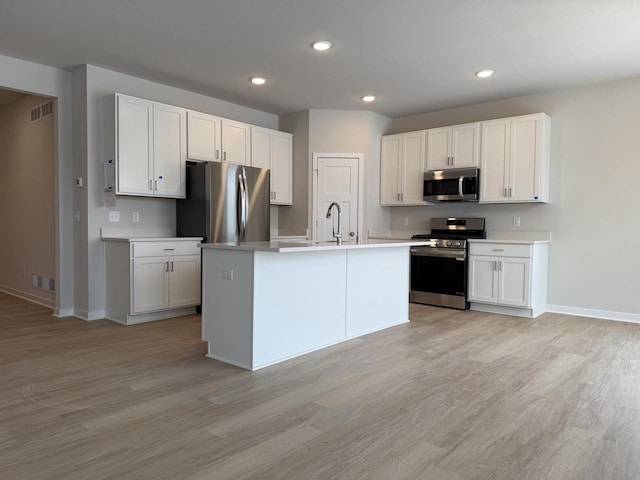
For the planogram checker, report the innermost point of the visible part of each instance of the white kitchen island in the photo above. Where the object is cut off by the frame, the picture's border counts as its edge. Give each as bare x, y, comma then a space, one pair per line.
265, 302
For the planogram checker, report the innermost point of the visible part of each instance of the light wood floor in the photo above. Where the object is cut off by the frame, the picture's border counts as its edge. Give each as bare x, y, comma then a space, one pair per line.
452, 395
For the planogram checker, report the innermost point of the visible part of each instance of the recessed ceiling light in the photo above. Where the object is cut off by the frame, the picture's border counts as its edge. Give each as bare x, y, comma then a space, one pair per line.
258, 80
484, 73
322, 45
368, 98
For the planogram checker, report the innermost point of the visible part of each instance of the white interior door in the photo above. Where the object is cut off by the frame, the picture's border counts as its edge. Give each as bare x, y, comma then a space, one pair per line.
337, 178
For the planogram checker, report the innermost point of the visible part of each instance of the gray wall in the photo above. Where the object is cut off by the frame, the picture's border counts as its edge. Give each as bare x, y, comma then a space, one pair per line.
52, 82
594, 192
293, 219
27, 199
334, 131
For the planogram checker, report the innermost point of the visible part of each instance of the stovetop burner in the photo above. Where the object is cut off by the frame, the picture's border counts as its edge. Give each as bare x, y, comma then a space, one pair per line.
453, 232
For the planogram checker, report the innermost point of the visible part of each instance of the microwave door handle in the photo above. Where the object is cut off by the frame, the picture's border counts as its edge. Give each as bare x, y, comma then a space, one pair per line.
460, 192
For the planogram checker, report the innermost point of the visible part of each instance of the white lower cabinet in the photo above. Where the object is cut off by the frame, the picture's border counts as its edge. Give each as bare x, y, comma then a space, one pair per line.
151, 280
508, 278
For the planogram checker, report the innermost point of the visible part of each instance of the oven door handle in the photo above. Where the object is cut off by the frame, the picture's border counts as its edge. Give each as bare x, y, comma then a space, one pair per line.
460, 180
437, 252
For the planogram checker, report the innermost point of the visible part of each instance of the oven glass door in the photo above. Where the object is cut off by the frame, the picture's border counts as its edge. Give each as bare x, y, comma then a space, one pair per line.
438, 274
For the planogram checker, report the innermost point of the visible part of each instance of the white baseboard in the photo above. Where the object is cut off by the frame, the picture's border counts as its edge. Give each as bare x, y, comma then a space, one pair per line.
62, 312
589, 312
89, 315
29, 298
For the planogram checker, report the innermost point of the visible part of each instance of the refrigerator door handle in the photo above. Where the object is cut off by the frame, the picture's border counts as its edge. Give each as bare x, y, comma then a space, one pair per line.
242, 206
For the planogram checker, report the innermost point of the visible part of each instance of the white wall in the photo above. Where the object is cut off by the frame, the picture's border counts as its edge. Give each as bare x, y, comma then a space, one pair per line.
27, 199
92, 85
52, 82
594, 193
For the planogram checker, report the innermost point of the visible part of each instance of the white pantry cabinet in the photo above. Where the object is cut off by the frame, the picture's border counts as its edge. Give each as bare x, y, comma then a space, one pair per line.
457, 146
151, 279
150, 148
508, 278
273, 149
216, 139
402, 169
514, 160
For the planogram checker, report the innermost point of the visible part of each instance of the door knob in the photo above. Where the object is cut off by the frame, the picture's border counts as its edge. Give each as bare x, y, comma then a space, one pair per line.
352, 234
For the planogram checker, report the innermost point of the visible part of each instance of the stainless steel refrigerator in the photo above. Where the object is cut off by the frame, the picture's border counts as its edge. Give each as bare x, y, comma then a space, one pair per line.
225, 203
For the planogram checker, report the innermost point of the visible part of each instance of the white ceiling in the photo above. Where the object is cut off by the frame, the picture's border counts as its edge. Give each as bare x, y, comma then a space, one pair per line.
415, 55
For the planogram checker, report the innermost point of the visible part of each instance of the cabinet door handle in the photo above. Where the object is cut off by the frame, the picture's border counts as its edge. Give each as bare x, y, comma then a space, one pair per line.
169, 249
509, 192
495, 265
217, 154
156, 185
499, 266
224, 156
505, 192
453, 160
167, 266
498, 249
172, 266
151, 185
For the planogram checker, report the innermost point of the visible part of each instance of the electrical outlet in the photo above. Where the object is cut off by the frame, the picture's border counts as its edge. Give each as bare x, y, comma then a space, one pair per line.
227, 273
405, 221
136, 217
516, 221
114, 216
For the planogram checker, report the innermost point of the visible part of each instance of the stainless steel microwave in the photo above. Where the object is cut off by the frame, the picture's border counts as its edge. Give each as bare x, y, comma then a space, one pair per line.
452, 185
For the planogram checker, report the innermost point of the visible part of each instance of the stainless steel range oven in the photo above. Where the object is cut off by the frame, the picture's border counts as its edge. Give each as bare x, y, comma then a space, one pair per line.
439, 269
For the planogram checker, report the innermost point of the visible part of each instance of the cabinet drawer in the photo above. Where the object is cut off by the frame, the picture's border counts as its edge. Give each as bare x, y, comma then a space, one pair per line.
500, 250
157, 249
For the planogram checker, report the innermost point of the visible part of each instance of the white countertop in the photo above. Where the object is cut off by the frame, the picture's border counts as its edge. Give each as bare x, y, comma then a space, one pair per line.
151, 239
308, 246
521, 238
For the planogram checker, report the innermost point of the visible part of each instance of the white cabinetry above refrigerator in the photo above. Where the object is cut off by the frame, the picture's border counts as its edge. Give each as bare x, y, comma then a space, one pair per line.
217, 139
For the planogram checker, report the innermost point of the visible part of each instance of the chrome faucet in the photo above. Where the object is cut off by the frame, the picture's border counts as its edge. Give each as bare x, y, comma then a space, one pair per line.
338, 235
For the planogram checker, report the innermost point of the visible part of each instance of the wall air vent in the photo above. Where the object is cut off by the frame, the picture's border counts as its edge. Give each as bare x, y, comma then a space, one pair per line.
42, 111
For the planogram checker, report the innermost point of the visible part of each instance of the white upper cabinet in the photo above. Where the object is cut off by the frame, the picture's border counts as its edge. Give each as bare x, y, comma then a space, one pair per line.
169, 151
150, 148
273, 149
514, 160
457, 146
203, 137
402, 169
216, 139
236, 142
